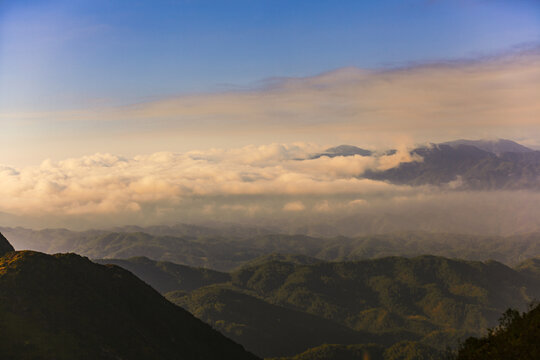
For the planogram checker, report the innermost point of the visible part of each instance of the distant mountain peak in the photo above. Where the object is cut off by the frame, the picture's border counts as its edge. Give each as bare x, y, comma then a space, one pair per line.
342, 150
498, 146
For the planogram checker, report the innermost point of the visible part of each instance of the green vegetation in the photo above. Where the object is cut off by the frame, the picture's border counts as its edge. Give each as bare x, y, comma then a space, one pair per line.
410, 350
340, 352
166, 276
426, 301
405, 350
275, 304
264, 328
67, 307
423, 294
530, 267
516, 337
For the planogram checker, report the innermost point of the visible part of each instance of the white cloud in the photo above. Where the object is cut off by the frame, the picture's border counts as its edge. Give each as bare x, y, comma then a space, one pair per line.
256, 185
109, 184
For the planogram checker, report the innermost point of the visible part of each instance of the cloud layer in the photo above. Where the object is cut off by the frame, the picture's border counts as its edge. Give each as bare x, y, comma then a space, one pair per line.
108, 184
257, 185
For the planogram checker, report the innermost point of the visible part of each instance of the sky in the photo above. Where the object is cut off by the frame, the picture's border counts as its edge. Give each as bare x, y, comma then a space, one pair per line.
119, 95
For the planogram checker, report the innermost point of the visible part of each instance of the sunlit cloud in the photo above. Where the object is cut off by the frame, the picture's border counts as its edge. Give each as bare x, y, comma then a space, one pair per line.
105, 183
488, 97
294, 206
277, 184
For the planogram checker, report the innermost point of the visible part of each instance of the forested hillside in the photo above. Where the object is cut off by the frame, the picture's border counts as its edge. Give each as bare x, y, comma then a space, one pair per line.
284, 305
67, 307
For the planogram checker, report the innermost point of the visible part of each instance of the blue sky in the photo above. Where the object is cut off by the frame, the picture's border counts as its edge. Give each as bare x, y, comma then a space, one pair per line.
79, 77
64, 54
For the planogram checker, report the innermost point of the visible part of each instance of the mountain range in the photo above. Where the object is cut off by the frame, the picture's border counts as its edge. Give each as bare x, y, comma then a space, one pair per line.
463, 164
276, 305
229, 252
66, 307
283, 305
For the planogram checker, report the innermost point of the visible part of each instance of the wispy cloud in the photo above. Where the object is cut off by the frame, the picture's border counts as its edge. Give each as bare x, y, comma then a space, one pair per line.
495, 96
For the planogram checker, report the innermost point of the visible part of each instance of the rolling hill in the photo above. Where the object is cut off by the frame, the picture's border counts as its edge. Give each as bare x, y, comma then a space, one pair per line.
283, 305
227, 253
264, 328
66, 307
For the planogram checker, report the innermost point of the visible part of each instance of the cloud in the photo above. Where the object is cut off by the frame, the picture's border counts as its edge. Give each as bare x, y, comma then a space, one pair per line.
255, 185
109, 184
498, 92
294, 206
494, 97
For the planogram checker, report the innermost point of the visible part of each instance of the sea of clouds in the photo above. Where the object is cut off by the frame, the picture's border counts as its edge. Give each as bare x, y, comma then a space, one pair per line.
276, 185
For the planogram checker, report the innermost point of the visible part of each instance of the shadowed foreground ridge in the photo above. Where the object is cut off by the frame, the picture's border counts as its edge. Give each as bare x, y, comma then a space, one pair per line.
5, 246
66, 307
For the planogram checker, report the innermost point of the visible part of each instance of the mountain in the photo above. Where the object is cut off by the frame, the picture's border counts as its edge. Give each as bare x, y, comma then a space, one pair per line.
427, 295
530, 267
465, 166
497, 147
280, 307
340, 352
263, 328
289, 258
66, 307
166, 276
197, 231
342, 150
405, 350
516, 337
225, 254
5, 246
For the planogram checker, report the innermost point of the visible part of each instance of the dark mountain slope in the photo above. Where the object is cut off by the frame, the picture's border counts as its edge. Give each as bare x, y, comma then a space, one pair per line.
267, 329
406, 350
342, 150
497, 147
67, 307
166, 276
425, 295
467, 165
5, 246
530, 267
281, 304
340, 352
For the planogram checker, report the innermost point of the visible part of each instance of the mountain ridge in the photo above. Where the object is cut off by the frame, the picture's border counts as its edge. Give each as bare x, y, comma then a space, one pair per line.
64, 306
497, 147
